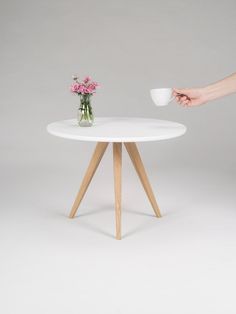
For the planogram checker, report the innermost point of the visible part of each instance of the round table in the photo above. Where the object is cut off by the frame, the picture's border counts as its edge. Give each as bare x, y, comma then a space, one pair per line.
117, 130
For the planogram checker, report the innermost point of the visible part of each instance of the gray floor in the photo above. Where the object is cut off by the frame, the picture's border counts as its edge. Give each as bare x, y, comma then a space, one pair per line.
181, 263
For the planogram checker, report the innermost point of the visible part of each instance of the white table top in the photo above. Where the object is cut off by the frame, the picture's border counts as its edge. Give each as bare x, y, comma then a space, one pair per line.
118, 129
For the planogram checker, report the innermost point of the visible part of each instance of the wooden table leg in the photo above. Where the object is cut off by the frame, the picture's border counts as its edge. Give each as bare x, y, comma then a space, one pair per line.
139, 167
117, 159
94, 162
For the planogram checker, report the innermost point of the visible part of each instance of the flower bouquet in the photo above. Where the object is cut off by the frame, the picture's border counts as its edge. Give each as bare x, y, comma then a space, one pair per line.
84, 89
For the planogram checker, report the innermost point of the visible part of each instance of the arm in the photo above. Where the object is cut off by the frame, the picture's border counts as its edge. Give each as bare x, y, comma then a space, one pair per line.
199, 96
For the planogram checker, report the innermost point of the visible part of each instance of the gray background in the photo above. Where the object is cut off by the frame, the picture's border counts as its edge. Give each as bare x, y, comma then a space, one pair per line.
182, 263
129, 47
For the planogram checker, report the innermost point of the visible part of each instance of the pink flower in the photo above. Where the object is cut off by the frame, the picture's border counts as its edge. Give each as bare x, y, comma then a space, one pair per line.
81, 89
85, 91
87, 79
96, 84
87, 86
91, 88
74, 88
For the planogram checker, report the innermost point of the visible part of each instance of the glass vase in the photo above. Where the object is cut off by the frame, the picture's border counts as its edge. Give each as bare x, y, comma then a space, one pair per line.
85, 112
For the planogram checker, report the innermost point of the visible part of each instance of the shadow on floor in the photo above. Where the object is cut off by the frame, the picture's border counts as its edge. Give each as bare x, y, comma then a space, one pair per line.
109, 208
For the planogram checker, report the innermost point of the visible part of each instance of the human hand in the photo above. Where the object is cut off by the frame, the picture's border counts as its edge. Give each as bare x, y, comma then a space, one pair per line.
190, 96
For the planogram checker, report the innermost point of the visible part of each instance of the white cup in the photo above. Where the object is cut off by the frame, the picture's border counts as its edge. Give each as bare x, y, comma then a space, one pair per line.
162, 96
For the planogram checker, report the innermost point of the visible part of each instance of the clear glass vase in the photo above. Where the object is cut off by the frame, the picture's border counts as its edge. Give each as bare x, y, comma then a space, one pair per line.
85, 112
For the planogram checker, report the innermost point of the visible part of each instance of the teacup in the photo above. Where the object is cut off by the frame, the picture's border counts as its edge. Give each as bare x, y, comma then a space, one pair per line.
162, 96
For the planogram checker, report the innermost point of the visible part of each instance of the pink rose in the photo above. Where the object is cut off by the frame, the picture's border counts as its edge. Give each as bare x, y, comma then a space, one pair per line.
91, 88
87, 79
86, 91
82, 89
74, 88
87, 86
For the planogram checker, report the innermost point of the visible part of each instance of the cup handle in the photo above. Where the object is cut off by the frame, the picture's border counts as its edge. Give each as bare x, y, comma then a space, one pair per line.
172, 98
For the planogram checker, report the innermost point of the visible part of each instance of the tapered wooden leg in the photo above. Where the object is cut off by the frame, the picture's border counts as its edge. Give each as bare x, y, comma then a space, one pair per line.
117, 158
94, 162
139, 167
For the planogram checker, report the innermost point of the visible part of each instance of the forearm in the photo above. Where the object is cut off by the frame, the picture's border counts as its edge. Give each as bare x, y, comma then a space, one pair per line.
221, 88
